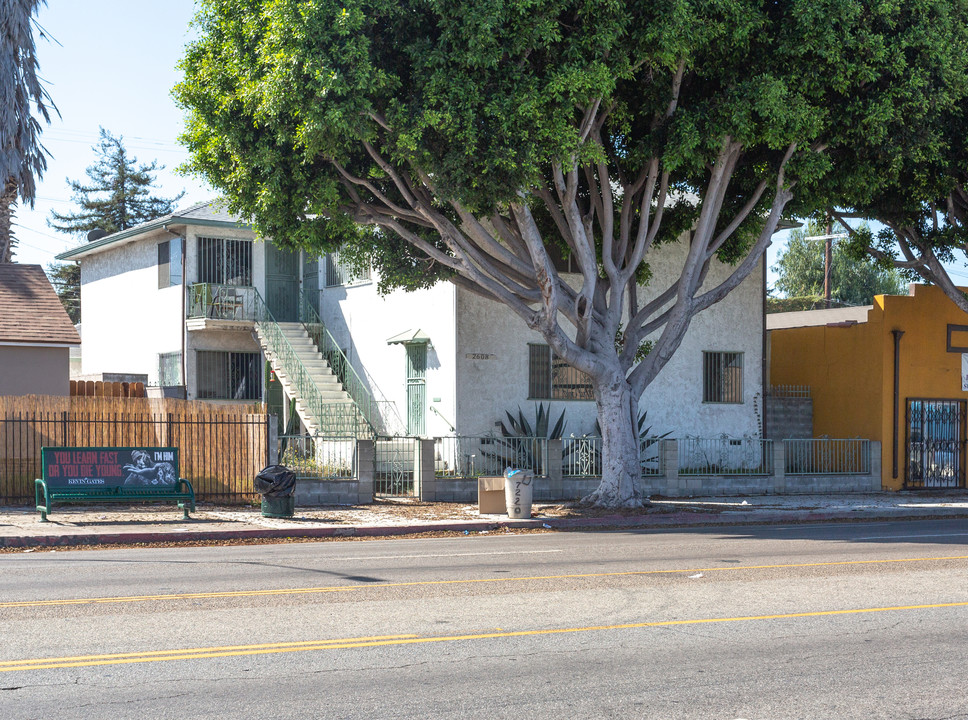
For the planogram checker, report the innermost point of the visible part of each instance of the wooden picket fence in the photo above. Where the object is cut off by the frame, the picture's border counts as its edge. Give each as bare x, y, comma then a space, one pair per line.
97, 388
221, 448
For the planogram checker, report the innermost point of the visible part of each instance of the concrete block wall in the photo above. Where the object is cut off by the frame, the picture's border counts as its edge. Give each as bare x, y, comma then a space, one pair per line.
555, 487
788, 418
312, 492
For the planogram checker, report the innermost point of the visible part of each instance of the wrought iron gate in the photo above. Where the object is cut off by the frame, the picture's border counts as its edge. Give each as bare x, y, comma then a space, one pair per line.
935, 444
395, 471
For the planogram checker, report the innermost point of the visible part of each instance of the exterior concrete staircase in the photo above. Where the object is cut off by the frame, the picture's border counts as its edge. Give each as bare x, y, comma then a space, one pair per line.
330, 411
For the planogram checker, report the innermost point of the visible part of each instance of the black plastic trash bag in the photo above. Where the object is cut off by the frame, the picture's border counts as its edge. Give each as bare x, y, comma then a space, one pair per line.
275, 481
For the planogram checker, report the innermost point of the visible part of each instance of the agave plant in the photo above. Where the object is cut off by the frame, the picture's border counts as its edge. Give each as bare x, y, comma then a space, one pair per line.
521, 443
648, 448
522, 428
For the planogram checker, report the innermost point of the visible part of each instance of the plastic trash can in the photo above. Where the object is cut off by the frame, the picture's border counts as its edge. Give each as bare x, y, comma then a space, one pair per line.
276, 484
518, 493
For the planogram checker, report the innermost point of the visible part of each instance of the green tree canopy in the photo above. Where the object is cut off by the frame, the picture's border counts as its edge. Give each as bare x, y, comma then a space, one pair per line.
484, 138
854, 281
118, 195
925, 207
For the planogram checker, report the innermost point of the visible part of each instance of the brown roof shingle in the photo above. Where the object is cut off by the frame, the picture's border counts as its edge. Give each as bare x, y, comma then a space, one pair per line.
30, 311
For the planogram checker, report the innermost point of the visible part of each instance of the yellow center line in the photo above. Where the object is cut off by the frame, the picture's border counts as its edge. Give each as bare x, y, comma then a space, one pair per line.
163, 654
467, 581
178, 596
390, 640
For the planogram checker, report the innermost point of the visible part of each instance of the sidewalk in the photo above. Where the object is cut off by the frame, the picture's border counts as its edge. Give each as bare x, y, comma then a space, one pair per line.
119, 525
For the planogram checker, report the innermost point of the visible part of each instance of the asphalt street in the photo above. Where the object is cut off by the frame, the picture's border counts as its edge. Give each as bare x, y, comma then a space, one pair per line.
859, 620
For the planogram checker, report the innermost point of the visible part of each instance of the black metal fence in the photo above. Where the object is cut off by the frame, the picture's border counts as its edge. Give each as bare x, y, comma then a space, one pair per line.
219, 454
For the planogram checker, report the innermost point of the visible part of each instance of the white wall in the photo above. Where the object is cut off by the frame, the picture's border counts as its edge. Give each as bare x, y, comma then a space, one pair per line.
489, 387
361, 321
127, 319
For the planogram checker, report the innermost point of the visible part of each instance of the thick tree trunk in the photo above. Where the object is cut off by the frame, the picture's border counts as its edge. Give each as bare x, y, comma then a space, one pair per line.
620, 447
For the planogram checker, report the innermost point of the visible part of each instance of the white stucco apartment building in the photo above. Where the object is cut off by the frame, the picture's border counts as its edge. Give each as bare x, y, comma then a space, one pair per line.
182, 299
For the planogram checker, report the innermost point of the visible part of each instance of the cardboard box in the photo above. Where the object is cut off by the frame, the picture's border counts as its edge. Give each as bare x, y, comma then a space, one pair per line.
490, 496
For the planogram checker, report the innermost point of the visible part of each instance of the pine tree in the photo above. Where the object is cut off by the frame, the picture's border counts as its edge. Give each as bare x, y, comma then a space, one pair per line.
118, 196
66, 279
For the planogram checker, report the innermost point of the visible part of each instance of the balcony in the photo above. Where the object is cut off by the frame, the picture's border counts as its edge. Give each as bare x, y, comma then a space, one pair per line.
220, 307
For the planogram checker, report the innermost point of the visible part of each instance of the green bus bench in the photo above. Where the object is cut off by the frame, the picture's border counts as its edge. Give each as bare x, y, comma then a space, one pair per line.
111, 474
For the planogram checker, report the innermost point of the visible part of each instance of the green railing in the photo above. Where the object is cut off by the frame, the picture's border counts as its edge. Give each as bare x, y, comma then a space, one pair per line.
338, 362
221, 302
332, 418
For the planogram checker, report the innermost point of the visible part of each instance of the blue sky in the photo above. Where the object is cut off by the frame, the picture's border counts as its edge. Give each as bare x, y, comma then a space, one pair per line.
113, 65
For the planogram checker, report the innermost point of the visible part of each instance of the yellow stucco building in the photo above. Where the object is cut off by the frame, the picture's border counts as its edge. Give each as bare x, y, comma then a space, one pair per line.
893, 372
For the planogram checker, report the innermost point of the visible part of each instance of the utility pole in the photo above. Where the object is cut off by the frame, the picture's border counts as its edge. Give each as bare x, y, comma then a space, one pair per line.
827, 262
827, 258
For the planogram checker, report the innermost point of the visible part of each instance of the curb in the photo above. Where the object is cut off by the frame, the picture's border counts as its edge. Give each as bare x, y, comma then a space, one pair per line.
670, 521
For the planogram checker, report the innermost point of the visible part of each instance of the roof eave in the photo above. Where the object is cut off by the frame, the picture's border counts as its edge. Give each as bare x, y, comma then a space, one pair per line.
151, 226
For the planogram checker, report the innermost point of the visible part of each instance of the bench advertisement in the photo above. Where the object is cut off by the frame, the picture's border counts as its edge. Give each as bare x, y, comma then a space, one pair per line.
110, 467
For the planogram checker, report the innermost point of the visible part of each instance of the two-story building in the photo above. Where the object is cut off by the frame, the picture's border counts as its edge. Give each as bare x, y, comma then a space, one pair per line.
199, 304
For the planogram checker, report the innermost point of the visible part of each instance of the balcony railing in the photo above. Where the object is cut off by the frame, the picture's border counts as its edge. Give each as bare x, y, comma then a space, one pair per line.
222, 302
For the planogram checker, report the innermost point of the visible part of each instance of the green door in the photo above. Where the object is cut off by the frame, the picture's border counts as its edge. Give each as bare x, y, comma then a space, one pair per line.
416, 388
282, 283
311, 281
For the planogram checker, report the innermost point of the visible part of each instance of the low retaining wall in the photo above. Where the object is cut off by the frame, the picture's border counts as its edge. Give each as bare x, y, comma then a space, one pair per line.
310, 492
726, 486
556, 488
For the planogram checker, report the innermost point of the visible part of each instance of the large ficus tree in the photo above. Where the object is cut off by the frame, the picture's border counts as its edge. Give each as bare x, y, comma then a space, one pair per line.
923, 212
477, 140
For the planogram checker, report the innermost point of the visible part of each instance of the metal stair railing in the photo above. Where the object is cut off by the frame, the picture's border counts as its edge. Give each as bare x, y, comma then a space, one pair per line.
332, 418
338, 362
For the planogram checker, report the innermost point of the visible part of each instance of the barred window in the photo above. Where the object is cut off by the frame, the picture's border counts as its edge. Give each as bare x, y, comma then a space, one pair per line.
340, 272
228, 375
169, 369
551, 378
722, 377
224, 261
